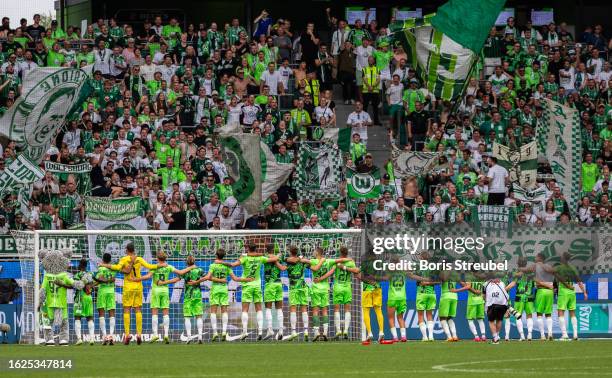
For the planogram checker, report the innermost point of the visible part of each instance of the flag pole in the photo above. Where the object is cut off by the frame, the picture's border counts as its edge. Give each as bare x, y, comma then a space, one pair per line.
467, 82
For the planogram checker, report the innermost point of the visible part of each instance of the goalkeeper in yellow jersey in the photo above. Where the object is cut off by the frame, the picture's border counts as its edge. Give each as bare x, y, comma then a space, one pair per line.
130, 265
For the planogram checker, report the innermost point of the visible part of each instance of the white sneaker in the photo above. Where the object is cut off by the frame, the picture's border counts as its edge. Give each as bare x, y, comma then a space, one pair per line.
243, 336
269, 334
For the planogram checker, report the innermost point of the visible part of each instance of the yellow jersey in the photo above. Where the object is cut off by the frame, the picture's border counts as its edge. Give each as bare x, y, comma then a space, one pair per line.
134, 273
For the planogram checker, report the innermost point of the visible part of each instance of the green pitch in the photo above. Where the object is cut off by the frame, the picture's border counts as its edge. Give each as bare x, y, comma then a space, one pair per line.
439, 359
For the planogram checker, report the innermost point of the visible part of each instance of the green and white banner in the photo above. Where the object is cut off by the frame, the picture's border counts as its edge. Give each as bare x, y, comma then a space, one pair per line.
21, 172
115, 214
273, 174
319, 172
522, 164
49, 96
79, 171
339, 136
362, 185
564, 148
444, 47
590, 248
537, 197
119, 209
241, 154
412, 163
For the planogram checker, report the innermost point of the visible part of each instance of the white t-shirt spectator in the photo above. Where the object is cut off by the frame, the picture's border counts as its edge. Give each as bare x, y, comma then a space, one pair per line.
249, 114
362, 55
272, 80
286, 73
358, 123
395, 93
211, 211
102, 61
159, 219
567, 78
384, 214
497, 179
323, 112
227, 223
438, 212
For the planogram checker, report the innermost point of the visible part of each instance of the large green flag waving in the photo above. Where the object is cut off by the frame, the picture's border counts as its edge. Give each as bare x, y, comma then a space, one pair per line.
242, 157
444, 47
363, 184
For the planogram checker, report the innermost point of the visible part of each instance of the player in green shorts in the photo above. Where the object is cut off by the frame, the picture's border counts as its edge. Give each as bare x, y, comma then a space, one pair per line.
321, 269
105, 299
544, 277
447, 308
83, 306
192, 298
396, 303
273, 293
342, 292
251, 290
566, 275
426, 300
298, 292
475, 307
218, 272
160, 293
524, 298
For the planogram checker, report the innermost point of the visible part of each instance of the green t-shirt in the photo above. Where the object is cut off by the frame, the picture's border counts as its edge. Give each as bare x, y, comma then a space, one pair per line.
397, 287
322, 286
589, 176
567, 275
55, 294
383, 58
425, 289
525, 288
446, 288
295, 272
161, 274
79, 294
193, 291
342, 278
272, 274
476, 299
251, 268
219, 271
106, 274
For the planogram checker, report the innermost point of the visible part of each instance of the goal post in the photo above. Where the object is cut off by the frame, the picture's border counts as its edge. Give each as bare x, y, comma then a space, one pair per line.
178, 245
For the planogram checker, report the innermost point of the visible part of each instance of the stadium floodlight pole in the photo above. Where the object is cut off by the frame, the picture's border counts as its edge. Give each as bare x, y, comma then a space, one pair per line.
36, 289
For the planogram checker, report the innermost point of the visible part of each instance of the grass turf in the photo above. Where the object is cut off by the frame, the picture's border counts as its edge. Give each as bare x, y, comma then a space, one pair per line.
438, 359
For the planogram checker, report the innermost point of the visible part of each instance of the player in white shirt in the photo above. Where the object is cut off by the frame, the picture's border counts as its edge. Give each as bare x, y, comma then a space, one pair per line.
359, 122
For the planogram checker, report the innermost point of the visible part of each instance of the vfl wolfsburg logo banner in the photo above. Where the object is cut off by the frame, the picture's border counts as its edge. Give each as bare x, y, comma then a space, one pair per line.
363, 185
241, 154
564, 149
49, 95
412, 163
318, 173
522, 164
21, 172
115, 214
537, 196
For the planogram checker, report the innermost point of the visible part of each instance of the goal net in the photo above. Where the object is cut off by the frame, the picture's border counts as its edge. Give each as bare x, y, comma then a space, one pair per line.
178, 245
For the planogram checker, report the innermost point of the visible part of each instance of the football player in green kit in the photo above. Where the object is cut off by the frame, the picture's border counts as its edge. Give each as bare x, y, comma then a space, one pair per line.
447, 309
475, 311
83, 306
160, 294
566, 275
105, 299
396, 303
273, 293
342, 292
218, 272
426, 301
523, 298
321, 269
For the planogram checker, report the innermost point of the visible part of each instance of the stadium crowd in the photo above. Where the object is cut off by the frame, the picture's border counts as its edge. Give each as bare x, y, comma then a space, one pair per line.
160, 94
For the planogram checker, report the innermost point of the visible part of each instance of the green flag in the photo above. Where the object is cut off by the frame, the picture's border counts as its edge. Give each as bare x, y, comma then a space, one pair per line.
363, 185
242, 156
273, 174
340, 136
444, 47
